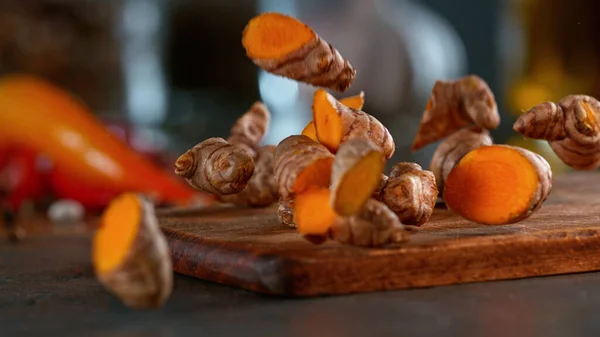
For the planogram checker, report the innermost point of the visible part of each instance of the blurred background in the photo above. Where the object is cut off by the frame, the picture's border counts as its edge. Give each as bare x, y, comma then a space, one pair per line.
164, 75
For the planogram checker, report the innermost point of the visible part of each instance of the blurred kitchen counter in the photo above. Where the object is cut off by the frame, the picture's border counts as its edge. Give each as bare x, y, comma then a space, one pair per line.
47, 287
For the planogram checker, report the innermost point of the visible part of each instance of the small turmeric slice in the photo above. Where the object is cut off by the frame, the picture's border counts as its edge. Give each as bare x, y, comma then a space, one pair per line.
283, 45
356, 174
336, 123
131, 257
355, 102
313, 214
498, 184
310, 131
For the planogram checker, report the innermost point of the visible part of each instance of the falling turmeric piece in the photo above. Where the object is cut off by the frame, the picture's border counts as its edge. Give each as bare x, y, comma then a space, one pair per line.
411, 193
261, 189
453, 148
356, 174
336, 123
313, 214
130, 254
454, 105
285, 212
571, 127
354, 102
284, 46
498, 184
216, 167
250, 128
300, 163
374, 226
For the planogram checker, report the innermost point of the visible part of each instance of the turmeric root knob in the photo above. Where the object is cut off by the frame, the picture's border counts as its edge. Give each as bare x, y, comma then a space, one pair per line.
411, 193
356, 174
301, 163
130, 254
336, 123
285, 212
284, 46
250, 128
571, 126
454, 105
261, 189
216, 167
498, 184
453, 148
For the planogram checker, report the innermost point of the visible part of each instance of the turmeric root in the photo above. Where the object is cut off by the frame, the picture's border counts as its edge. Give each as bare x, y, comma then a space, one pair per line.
498, 184
216, 167
453, 148
250, 128
411, 193
571, 126
336, 123
356, 174
454, 105
354, 102
300, 163
130, 254
261, 189
375, 225
285, 212
284, 46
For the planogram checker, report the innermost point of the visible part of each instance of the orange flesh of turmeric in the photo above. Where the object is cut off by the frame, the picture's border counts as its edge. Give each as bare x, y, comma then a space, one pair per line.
120, 224
317, 174
274, 35
328, 121
491, 185
313, 213
358, 184
310, 131
354, 102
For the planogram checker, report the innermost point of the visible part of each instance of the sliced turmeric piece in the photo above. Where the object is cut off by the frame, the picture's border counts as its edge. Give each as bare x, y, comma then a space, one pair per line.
454, 105
130, 254
498, 184
356, 174
313, 214
355, 102
336, 123
310, 131
300, 163
284, 46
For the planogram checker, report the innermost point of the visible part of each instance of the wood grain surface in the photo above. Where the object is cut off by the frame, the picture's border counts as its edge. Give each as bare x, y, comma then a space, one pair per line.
249, 248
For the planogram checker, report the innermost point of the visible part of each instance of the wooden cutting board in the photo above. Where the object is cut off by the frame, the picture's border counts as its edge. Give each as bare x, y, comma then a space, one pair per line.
252, 250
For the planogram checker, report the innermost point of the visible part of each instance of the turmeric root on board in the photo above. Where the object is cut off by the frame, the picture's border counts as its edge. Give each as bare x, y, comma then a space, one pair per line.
571, 126
453, 148
216, 167
130, 254
250, 128
336, 123
284, 46
498, 184
354, 102
285, 212
356, 174
454, 105
411, 193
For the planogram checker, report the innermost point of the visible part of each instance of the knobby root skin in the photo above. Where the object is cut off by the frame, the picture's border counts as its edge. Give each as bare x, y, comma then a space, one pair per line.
261, 189
216, 167
411, 193
141, 276
374, 226
336, 123
453, 148
300, 163
356, 174
284, 46
249, 129
454, 105
285, 212
378, 193
498, 184
571, 126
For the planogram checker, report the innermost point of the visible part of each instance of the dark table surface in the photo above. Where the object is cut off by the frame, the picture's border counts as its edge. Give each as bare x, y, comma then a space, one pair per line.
47, 288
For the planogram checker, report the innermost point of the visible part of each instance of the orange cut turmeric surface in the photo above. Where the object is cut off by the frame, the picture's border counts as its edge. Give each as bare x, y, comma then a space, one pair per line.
316, 174
492, 185
310, 131
313, 213
328, 121
120, 224
354, 102
273, 35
